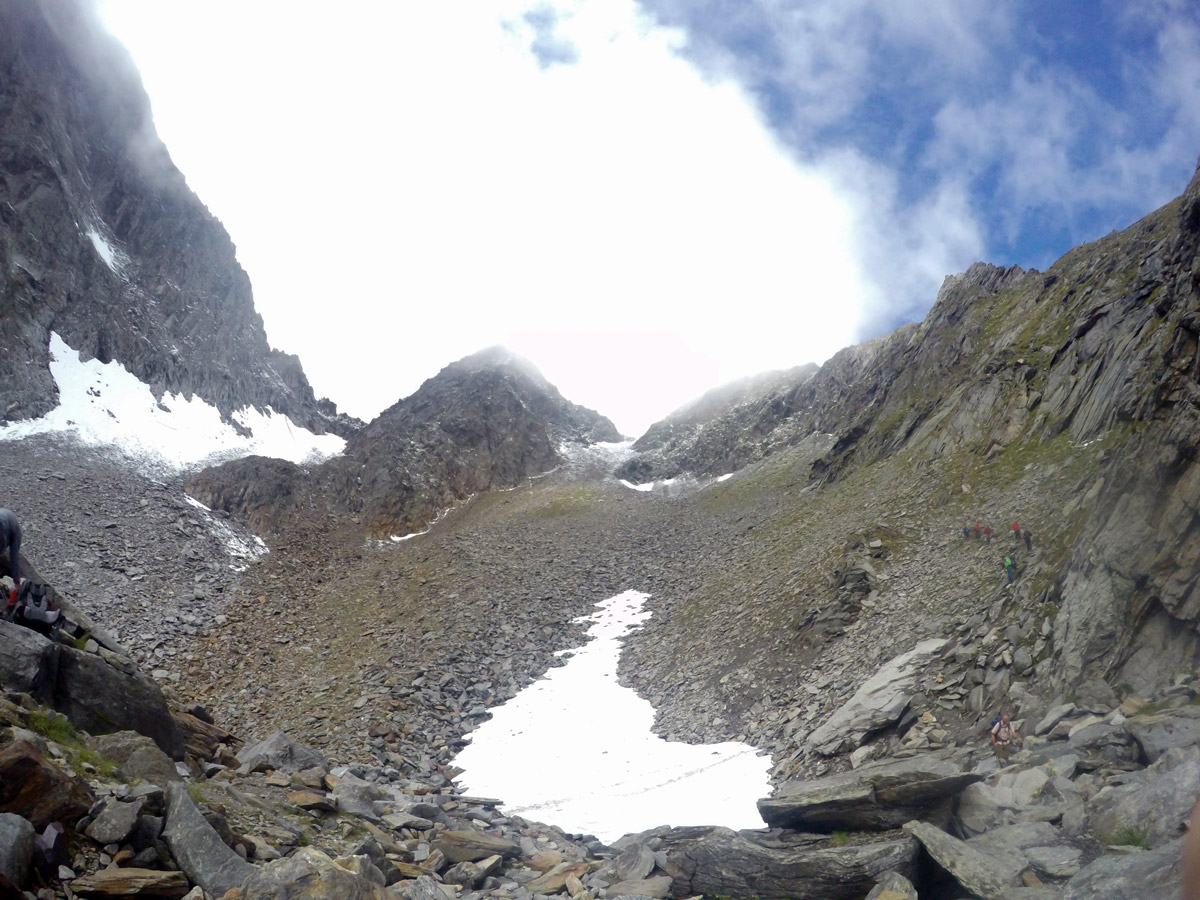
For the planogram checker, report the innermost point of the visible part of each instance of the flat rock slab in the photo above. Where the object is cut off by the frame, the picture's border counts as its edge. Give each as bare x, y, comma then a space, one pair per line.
132, 883
472, 846
979, 873
875, 797
877, 704
721, 862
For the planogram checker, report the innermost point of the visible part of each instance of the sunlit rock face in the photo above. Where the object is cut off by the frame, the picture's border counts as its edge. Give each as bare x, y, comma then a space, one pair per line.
102, 241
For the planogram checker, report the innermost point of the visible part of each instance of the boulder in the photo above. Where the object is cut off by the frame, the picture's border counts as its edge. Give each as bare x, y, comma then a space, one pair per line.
280, 752
658, 887
137, 757
1053, 716
1095, 696
115, 822
1155, 803
198, 849
554, 880
980, 874
981, 808
720, 862
1156, 734
893, 886
100, 699
874, 797
1132, 876
878, 704
28, 662
308, 874
132, 882
472, 846
37, 790
17, 839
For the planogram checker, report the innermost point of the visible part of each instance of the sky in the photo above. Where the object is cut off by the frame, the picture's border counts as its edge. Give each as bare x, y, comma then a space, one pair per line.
648, 199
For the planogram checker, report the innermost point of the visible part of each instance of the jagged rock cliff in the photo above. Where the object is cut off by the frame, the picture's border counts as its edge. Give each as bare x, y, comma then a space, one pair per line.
487, 421
1007, 366
102, 241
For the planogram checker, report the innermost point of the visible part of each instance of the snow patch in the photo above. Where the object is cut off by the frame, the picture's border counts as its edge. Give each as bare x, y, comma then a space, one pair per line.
622, 778
104, 250
245, 550
103, 404
721, 478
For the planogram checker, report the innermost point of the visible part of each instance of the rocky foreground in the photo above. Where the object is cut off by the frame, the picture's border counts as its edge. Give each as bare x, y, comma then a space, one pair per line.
1093, 806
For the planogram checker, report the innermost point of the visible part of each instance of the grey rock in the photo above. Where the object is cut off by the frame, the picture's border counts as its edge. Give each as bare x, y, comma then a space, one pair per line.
1156, 734
896, 883
115, 822
1095, 696
1156, 802
472, 846
1135, 876
198, 849
878, 796
718, 861
28, 661
136, 756
1053, 716
657, 887
100, 699
282, 753
1058, 862
981, 874
878, 703
308, 874
635, 863
17, 837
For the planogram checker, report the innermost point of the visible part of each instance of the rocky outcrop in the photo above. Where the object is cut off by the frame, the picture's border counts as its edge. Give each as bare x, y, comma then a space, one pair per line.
876, 797
102, 241
729, 427
878, 703
485, 422
98, 691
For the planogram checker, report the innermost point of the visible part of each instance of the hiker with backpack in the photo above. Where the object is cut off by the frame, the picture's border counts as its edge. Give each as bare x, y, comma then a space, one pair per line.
10, 544
1009, 569
1004, 735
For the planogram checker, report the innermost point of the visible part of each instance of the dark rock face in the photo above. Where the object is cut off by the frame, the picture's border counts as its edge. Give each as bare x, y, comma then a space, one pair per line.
99, 699
487, 421
37, 790
102, 241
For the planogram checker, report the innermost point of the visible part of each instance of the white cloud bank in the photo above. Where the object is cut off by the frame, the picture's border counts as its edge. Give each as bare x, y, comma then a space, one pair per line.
103, 404
626, 222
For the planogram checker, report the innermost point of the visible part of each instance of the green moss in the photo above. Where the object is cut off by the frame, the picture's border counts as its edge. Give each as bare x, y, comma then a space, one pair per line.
839, 839
1126, 836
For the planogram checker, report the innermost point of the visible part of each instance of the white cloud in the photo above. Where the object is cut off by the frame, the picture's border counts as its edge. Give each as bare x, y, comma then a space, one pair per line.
407, 184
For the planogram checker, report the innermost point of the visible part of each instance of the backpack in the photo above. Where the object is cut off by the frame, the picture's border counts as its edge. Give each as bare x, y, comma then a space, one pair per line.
996, 720
32, 607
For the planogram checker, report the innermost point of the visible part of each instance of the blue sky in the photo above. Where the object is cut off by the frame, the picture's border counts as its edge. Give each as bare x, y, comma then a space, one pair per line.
650, 197
1054, 122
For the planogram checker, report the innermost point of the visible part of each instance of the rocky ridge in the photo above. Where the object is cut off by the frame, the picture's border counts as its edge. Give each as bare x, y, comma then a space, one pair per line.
483, 423
102, 241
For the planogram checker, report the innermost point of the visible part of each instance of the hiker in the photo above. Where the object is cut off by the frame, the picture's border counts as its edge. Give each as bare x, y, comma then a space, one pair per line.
987, 534
977, 532
1004, 734
1028, 541
10, 543
1016, 532
1009, 569
966, 531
